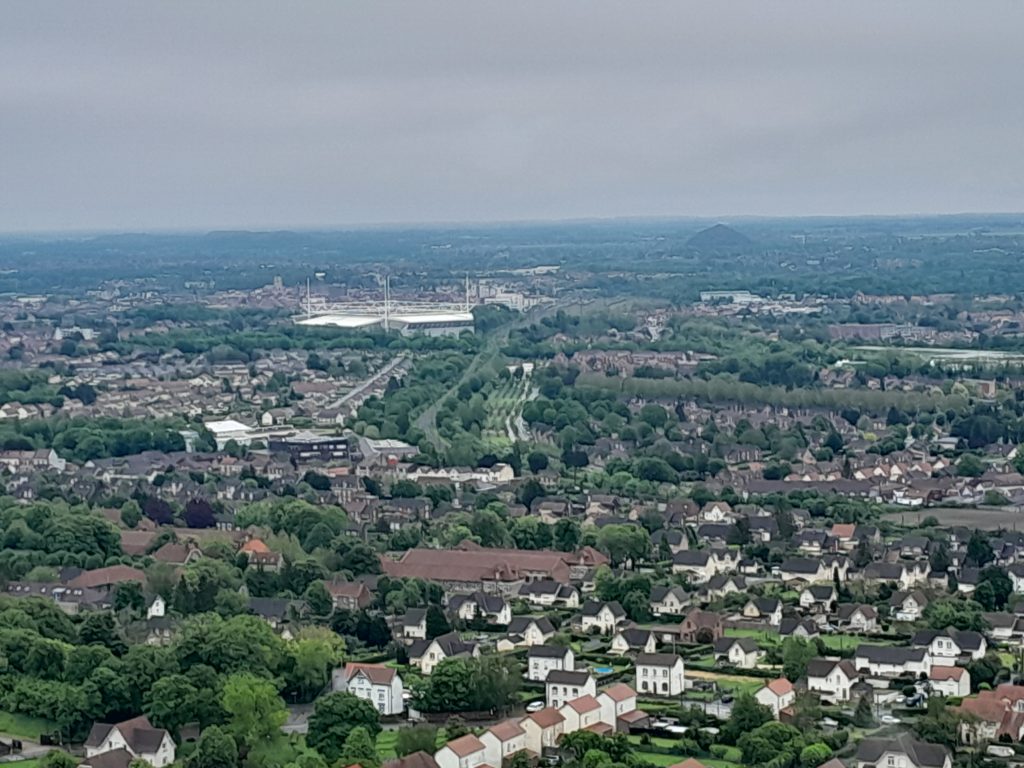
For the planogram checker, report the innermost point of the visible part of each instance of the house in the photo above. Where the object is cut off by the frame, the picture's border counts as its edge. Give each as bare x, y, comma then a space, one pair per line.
137, 737
670, 539
616, 700
768, 609
541, 659
633, 640
414, 624
427, 654
261, 556
503, 740
583, 713
157, 608
890, 661
529, 631
106, 579
700, 627
908, 605
993, 715
802, 628
464, 752
818, 598
349, 595
601, 618
476, 605
376, 683
947, 646
547, 593
543, 729
903, 751
833, 679
722, 584
561, 686
906, 575
668, 601
857, 618
660, 674
811, 570
776, 695
950, 681
415, 760
742, 652
698, 564
811, 542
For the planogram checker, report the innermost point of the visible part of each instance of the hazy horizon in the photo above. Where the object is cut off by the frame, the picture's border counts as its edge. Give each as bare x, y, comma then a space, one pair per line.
192, 117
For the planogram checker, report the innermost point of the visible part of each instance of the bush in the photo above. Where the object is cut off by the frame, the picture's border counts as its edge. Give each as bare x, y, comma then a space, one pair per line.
719, 751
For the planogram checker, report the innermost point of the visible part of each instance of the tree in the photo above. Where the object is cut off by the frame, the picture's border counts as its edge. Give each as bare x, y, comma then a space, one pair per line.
796, 654
437, 624
318, 599
215, 749
171, 702
864, 715
537, 461
566, 535
814, 755
624, 543
985, 670
131, 513
979, 550
57, 758
418, 738
771, 741
940, 559
939, 725
128, 597
970, 466
255, 711
955, 612
488, 526
994, 588
747, 714
199, 514
359, 749
334, 716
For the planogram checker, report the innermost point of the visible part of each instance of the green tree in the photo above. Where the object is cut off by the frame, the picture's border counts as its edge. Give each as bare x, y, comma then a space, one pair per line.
747, 714
814, 755
864, 715
796, 654
418, 738
359, 749
334, 716
57, 758
437, 624
624, 543
955, 612
970, 466
566, 535
215, 749
979, 550
255, 711
939, 725
537, 461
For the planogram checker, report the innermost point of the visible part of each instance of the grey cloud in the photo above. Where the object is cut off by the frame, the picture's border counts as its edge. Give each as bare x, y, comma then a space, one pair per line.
260, 114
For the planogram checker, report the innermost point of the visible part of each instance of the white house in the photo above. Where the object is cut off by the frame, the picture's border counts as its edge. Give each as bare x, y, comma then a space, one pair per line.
616, 700
950, 681
375, 683
857, 618
427, 654
503, 740
157, 608
530, 631
889, 661
738, 651
543, 729
580, 713
541, 659
632, 640
137, 737
768, 609
547, 593
818, 597
669, 601
776, 695
414, 624
831, 678
464, 752
947, 646
908, 605
601, 617
561, 686
493, 608
660, 674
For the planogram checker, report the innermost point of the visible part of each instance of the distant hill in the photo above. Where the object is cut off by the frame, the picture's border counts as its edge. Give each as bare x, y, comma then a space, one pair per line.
719, 238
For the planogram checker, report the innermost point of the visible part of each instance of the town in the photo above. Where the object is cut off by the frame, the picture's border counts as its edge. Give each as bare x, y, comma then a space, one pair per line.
539, 513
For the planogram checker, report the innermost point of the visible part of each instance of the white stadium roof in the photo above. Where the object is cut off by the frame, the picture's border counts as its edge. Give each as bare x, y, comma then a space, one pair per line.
343, 321
435, 317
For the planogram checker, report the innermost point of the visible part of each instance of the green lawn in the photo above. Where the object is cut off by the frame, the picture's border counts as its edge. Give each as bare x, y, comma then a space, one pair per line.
657, 759
386, 743
23, 726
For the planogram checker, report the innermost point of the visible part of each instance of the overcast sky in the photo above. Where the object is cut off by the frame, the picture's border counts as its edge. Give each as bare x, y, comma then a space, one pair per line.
215, 113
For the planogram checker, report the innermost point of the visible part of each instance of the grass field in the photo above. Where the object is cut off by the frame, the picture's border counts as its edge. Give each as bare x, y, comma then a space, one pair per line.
986, 518
386, 743
24, 727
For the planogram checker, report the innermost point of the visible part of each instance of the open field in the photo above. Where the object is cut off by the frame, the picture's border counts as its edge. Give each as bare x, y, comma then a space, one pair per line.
24, 727
982, 517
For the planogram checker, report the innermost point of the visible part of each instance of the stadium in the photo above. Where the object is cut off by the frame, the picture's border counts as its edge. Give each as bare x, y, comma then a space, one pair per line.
407, 318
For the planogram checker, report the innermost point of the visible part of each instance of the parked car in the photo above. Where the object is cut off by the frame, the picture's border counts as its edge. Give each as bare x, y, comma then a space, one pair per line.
535, 706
